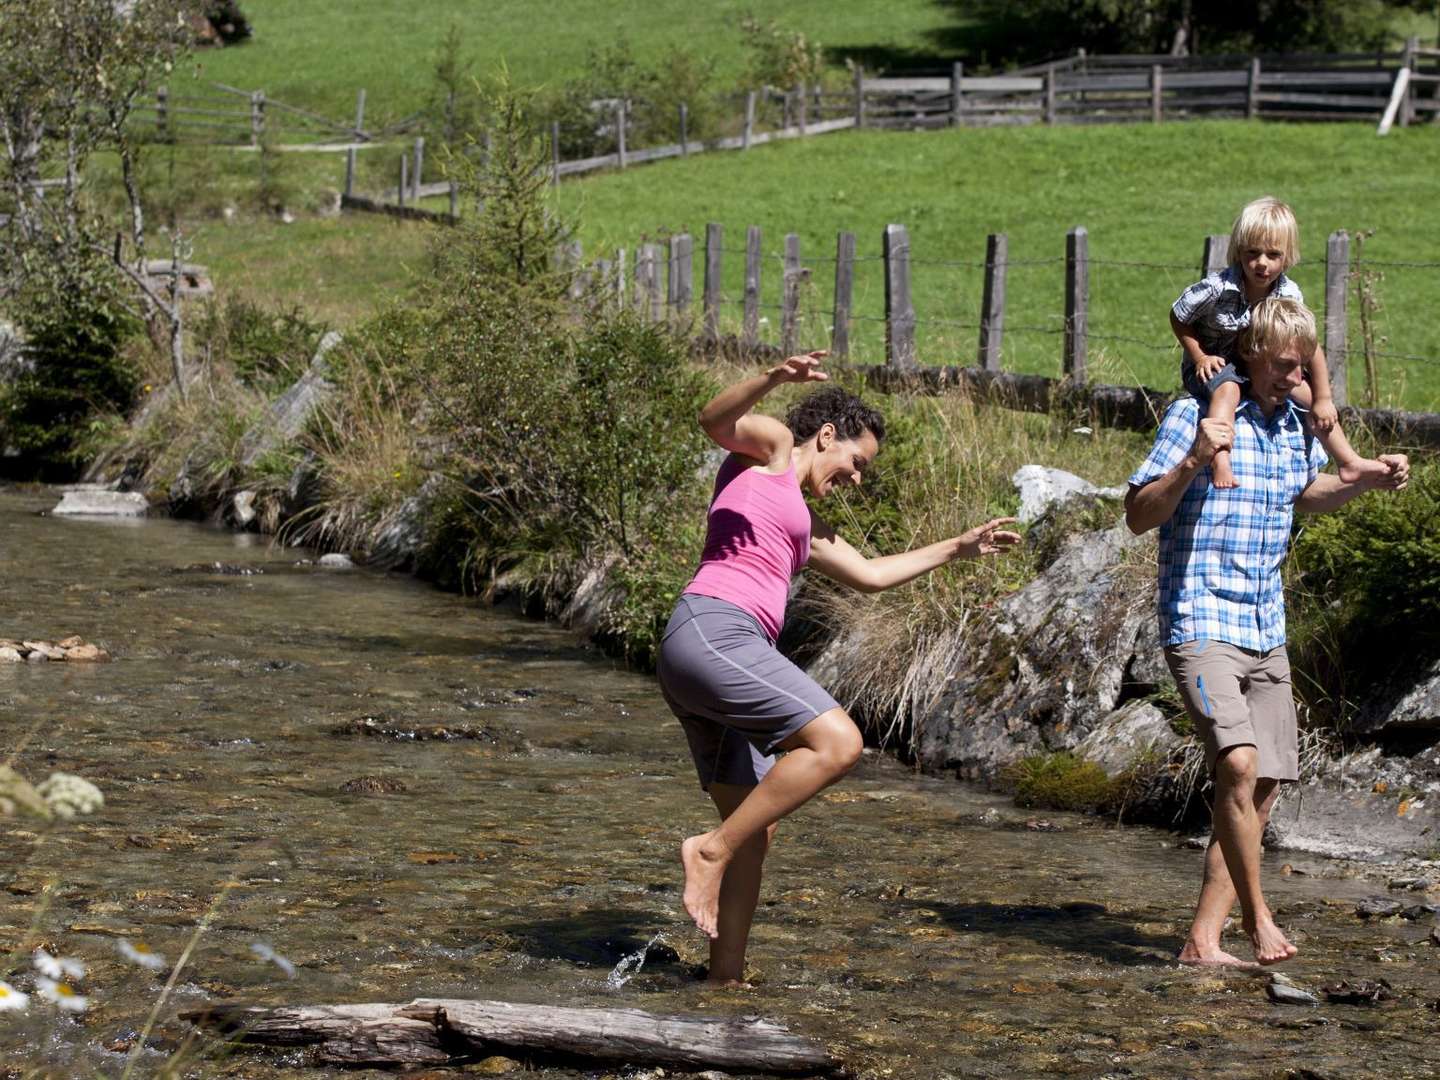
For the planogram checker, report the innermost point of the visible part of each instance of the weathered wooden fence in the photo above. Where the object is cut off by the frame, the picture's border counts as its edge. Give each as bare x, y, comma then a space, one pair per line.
660, 287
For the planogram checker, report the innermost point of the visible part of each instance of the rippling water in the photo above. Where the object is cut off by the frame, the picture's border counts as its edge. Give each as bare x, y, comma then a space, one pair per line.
533, 846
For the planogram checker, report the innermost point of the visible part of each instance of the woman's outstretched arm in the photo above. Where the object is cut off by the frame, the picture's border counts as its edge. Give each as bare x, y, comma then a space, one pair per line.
834, 557
727, 418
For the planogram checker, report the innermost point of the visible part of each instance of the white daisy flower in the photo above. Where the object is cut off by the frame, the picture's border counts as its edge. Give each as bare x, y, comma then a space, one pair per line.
68, 795
57, 967
62, 994
266, 952
12, 1000
137, 952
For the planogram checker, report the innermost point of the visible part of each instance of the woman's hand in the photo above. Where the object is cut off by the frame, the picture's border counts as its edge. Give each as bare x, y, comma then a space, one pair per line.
802, 368
987, 539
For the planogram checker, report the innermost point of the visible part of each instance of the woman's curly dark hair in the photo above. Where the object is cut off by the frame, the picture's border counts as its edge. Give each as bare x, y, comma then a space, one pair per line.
832, 405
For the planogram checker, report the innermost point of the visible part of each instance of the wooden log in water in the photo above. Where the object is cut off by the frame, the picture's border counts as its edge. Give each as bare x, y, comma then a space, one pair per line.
437, 1030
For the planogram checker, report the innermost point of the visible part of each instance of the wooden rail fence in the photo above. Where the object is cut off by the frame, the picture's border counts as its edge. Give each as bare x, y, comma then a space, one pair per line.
662, 288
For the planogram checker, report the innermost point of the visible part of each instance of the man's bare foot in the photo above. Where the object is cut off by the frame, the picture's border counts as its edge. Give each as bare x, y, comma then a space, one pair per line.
1193, 955
704, 860
1271, 946
1352, 472
727, 984
1221, 475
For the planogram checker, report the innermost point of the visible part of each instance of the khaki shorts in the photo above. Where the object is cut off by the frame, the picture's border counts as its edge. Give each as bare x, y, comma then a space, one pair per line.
1238, 697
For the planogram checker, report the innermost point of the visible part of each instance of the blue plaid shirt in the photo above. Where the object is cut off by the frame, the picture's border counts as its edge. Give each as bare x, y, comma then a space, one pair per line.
1221, 551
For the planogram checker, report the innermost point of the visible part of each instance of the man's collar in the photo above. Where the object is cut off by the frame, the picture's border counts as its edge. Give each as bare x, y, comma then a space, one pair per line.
1286, 414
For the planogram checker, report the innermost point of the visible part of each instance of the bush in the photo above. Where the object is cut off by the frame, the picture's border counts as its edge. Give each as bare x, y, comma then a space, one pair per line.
1062, 782
266, 348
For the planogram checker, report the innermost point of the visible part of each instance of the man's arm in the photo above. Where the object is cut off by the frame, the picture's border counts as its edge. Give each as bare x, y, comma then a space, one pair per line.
1328, 492
1152, 505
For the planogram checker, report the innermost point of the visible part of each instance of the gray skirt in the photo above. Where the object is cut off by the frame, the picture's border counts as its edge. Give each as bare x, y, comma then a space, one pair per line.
737, 698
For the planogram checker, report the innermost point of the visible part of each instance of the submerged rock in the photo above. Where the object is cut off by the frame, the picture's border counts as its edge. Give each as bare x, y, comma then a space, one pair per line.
1359, 992
95, 501
1378, 907
373, 785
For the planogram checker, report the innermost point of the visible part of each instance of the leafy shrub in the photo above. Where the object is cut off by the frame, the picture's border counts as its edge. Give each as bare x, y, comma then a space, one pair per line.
266, 348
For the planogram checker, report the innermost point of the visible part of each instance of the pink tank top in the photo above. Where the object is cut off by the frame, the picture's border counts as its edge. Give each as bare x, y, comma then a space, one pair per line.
757, 538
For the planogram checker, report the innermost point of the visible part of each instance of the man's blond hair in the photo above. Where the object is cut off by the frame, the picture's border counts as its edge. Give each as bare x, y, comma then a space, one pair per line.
1266, 222
1275, 323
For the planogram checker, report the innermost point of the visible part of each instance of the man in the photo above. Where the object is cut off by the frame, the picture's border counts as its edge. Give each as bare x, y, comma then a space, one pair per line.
1222, 604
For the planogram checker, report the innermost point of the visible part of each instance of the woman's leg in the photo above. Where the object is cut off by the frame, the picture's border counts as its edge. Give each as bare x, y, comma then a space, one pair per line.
819, 754
739, 891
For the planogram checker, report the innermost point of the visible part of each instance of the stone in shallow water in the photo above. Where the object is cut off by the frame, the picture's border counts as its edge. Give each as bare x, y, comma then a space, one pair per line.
90, 503
336, 561
373, 785
1359, 992
1378, 907
1284, 993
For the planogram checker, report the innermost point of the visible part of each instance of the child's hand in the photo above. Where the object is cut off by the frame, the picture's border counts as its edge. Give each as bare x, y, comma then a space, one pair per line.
1207, 367
1323, 415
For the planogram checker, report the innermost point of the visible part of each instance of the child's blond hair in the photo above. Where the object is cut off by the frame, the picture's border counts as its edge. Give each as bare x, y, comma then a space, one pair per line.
1265, 222
1276, 322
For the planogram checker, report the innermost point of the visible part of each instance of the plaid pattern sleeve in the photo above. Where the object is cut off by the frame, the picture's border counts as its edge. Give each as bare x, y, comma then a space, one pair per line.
1172, 441
1198, 298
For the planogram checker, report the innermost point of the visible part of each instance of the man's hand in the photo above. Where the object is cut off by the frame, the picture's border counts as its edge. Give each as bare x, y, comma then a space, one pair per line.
1323, 415
1211, 437
1396, 476
1207, 367
802, 368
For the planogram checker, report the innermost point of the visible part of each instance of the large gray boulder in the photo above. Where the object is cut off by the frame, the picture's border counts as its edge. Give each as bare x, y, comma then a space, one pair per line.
1042, 487
1135, 731
1413, 707
94, 500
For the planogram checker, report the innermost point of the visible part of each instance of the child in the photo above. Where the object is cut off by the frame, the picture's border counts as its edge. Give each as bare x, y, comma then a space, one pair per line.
1209, 315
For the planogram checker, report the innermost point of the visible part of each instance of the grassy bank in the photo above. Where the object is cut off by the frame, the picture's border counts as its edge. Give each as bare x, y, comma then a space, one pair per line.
1148, 195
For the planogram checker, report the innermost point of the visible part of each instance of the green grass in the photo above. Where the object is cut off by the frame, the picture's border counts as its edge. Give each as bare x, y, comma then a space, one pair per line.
1146, 195
318, 53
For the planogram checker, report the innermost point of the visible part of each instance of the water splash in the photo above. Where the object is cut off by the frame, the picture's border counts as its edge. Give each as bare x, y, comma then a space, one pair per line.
630, 965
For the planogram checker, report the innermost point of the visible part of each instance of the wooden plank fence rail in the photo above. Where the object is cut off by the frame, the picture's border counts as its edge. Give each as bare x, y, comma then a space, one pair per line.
1135, 407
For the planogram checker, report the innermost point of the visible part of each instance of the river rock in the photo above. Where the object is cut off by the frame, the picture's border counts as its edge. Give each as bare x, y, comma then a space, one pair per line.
1041, 487
10, 655
1134, 730
1284, 992
1378, 907
336, 561
373, 785
100, 502
242, 508
87, 653
1414, 706
1049, 668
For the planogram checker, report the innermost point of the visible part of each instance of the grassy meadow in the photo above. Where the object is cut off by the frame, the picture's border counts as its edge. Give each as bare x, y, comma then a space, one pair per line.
1148, 195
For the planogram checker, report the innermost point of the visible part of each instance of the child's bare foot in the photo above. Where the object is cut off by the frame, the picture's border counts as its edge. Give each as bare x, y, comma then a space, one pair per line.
1193, 955
1271, 946
1221, 475
1352, 472
704, 860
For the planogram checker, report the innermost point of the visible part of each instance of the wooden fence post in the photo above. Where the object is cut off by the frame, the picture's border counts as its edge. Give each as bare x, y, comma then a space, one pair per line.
800, 107
620, 256
647, 282
749, 121
257, 117
350, 172
844, 289
1077, 301
360, 114
162, 112
404, 178
899, 310
1407, 105
992, 306
957, 92
684, 130
554, 152
1337, 278
620, 120
714, 250
751, 328
1252, 97
454, 200
1050, 94
1216, 254
790, 294
859, 96
680, 289
419, 167
1157, 92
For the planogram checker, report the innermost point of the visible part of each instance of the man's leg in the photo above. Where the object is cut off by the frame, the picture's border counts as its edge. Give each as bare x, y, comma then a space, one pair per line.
739, 891
818, 755
1238, 829
1217, 895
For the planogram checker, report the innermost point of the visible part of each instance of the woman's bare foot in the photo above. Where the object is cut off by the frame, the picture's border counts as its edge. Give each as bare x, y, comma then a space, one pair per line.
1352, 472
704, 858
1221, 475
1271, 945
1195, 956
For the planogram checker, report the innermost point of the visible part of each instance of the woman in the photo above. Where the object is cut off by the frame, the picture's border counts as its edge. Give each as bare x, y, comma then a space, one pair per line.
738, 699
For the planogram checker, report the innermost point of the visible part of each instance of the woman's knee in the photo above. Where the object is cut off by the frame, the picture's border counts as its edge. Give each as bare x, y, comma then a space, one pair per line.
842, 741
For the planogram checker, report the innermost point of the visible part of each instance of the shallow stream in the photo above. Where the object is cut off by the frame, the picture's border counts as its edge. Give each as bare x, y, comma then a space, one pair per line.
923, 928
